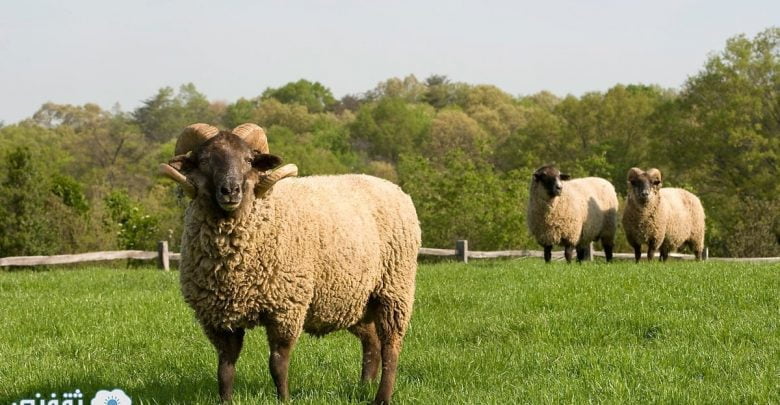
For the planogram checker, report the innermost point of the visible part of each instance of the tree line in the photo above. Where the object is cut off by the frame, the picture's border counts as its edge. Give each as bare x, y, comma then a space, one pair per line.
81, 178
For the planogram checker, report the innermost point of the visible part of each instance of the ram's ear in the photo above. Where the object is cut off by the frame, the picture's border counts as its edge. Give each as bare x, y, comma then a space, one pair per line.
265, 161
182, 163
565, 176
175, 170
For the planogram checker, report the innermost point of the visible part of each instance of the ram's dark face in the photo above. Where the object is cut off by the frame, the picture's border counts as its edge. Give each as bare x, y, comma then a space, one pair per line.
551, 179
644, 186
225, 169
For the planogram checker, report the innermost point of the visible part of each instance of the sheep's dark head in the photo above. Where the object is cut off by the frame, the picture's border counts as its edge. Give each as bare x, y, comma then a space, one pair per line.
644, 186
224, 168
551, 179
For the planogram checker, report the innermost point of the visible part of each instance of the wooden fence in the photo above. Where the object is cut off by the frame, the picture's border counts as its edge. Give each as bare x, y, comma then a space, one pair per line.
162, 255
460, 253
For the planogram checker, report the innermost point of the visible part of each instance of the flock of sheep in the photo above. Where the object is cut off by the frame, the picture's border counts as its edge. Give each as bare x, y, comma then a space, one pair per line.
576, 212
263, 248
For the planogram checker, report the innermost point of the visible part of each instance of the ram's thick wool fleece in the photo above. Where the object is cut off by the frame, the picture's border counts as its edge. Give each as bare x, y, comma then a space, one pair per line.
310, 254
671, 217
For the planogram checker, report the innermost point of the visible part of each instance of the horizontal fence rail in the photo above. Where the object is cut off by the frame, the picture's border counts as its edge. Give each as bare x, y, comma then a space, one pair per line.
460, 253
162, 255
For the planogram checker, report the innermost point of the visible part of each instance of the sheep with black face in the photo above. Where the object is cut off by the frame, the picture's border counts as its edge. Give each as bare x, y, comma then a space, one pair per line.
663, 219
571, 213
314, 254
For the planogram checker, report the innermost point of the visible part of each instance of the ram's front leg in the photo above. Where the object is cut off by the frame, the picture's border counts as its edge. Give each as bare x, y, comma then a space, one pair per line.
280, 344
547, 253
228, 344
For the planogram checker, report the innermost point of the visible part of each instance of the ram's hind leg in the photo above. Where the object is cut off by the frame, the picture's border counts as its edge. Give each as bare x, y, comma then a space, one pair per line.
652, 247
391, 349
228, 345
369, 339
582, 253
567, 252
698, 249
392, 319
664, 254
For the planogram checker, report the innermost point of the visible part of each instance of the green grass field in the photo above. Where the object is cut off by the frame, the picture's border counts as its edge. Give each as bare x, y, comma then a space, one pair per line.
488, 332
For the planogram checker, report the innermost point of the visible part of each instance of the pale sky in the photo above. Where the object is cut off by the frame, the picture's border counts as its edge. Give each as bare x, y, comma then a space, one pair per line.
110, 52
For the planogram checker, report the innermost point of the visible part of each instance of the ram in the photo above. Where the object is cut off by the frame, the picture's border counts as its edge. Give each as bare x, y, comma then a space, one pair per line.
661, 218
571, 213
315, 254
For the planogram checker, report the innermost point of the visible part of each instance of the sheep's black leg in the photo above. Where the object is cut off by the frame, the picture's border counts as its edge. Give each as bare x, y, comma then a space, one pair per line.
608, 251
664, 254
567, 252
391, 349
547, 254
581, 252
650, 253
637, 252
228, 345
279, 362
369, 339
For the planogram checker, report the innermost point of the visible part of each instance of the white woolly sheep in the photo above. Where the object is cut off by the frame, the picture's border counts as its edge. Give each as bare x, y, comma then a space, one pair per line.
571, 213
661, 218
314, 254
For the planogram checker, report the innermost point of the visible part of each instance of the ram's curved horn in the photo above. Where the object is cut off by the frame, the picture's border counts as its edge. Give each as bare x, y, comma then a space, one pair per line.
192, 136
253, 135
655, 174
633, 173
173, 174
288, 170
189, 139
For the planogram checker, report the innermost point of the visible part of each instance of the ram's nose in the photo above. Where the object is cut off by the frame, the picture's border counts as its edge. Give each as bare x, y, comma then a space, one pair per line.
229, 195
230, 190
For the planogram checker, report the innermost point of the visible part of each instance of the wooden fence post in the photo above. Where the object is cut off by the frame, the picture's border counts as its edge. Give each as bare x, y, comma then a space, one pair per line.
163, 256
706, 254
462, 249
589, 253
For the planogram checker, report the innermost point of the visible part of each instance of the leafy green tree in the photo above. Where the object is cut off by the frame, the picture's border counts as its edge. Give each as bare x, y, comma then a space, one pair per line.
389, 127
240, 112
164, 115
135, 228
408, 89
466, 200
454, 130
724, 139
499, 114
38, 216
540, 141
272, 112
301, 149
314, 96
24, 223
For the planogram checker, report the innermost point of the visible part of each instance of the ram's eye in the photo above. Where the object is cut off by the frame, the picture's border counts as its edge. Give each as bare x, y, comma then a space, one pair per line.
656, 182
